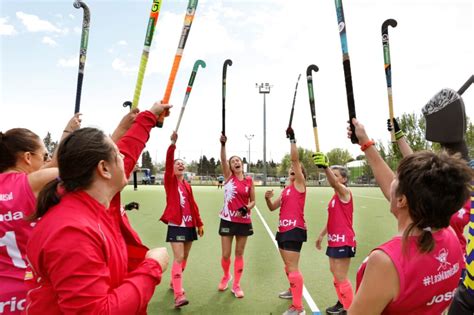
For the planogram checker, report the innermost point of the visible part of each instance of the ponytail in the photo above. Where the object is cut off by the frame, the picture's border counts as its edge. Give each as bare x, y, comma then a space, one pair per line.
426, 241
47, 198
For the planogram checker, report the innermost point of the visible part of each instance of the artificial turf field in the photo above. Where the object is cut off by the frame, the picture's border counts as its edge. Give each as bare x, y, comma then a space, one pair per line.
263, 276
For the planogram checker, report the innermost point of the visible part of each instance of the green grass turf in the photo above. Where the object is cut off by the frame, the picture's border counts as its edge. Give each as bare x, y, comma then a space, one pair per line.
263, 274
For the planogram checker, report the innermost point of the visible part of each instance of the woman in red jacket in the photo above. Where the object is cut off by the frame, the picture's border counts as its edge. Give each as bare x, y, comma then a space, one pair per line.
182, 216
84, 255
25, 168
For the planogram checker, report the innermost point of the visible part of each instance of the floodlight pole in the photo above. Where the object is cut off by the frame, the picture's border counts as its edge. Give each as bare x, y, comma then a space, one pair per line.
249, 137
264, 88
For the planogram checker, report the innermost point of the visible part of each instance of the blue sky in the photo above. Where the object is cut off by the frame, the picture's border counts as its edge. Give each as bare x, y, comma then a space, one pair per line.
268, 40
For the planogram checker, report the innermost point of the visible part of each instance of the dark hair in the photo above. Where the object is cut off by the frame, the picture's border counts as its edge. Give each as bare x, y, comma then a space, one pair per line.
453, 148
15, 141
78, 155
436, 186
343, 171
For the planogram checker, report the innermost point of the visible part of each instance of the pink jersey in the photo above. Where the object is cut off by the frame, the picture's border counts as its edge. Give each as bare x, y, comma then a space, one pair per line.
459, 220
187, 220
427, 281
236, 195
292, 209
17, 201
339, 226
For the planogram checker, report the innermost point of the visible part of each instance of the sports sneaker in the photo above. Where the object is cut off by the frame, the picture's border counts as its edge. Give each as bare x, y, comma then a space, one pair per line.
238, 292
180, 301
285, 295
337, 308
295, 311
224, 284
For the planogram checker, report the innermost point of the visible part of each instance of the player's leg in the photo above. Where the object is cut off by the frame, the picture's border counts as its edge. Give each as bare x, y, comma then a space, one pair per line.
226, 244
339, 268
290, 253
177, 274
240, 242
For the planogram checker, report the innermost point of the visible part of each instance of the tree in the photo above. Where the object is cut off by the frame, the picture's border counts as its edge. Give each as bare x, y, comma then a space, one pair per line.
212, 166
49, 143
147, 162
339, 156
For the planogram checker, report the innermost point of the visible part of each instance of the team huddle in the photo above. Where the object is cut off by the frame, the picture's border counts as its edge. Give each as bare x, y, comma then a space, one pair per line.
67, 245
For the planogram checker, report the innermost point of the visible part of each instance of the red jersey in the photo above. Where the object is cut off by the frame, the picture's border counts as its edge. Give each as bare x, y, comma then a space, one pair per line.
236, 195
458, 221
428, 280
110, 274
339, 225
291, 209
187, 216
180, 203
17, 201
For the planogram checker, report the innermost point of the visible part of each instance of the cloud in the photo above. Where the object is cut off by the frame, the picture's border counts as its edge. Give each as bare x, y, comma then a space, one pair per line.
71, 16
70, 62
122, 43
6, 29
34, 24
121, 66
49, 41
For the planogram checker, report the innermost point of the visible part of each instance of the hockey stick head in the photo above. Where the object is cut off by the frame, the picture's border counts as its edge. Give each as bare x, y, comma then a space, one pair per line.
227, 62
198, 63
387, 23
310, 69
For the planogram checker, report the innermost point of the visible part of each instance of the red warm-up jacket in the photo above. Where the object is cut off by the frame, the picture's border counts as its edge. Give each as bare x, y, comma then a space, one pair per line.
80, 251
173, 212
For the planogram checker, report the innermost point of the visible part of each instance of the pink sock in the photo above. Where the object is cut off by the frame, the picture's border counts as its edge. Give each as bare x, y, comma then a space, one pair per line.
344, 292
225, 263
238, 270
183, 264
296, 286
177, 278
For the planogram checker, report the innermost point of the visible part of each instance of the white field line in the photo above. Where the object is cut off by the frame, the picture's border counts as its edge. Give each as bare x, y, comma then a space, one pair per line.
314, 308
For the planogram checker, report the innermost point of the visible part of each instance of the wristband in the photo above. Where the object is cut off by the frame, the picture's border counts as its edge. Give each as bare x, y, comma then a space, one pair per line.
399, 134
292, 140
367, 145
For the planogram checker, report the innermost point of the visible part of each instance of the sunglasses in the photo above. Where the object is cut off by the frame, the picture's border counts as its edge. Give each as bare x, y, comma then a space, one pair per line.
46, 156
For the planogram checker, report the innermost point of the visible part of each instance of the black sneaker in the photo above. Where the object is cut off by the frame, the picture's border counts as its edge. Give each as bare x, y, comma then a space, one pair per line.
336, 309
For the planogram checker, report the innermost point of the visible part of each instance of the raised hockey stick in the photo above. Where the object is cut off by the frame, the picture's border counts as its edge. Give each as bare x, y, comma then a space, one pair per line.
294, 100
309, 78
83, 51
347, 67
150, 30
227, 63
388, 70
188, 20
198, 63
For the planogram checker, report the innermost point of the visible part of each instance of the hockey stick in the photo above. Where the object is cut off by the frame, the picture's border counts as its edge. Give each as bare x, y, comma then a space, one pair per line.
294, 99
189, 88
228, 62
388, 70
188, 20
150, 30
347, 67
466, 85
83, 51
309, 78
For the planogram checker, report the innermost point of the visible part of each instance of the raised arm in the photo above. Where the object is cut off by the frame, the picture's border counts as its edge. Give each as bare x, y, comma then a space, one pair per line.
73, 124
124, 124
402, 143
321, 161
382, 172
225, 166
300, 181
